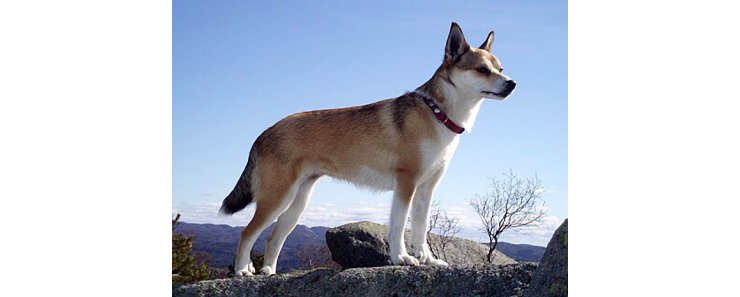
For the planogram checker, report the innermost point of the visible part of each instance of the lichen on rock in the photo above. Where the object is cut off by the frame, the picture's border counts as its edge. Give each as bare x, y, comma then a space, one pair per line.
551, 278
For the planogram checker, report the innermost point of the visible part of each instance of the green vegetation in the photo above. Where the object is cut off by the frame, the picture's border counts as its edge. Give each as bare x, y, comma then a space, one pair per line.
257, 260
558, 289
564, 239
185, 268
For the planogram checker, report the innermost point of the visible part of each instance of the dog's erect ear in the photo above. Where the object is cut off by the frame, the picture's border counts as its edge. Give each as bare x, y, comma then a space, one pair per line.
487, 44
456, 44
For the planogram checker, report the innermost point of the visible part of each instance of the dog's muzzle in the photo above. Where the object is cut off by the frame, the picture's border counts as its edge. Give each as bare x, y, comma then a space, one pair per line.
508, 88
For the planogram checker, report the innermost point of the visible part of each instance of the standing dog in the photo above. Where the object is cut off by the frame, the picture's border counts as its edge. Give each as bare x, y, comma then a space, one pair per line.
402, 144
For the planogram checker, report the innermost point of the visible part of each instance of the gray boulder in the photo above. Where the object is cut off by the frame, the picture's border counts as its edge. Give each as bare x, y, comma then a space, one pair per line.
551, 278
477, 280
365, 244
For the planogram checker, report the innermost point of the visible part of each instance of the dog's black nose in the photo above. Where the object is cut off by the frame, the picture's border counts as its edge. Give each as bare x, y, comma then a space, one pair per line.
510, 85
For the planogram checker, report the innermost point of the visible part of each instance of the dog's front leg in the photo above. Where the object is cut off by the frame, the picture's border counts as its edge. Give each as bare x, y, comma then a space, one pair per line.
402, 196
420, 220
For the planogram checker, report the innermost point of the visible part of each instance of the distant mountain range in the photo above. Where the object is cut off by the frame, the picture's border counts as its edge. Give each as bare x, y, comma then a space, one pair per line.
521, 252
219, 243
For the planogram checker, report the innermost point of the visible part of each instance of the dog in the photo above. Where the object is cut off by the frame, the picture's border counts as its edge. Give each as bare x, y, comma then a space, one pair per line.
402, 144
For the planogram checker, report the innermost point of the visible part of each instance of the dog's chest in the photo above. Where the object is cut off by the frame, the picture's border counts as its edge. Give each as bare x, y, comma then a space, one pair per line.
436, 154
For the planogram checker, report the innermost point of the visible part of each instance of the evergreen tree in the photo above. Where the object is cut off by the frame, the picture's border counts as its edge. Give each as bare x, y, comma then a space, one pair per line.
184, 266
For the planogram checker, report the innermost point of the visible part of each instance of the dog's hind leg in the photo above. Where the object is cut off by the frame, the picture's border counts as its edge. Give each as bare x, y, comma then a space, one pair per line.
285, 224
274, 196
261, 220
404, 191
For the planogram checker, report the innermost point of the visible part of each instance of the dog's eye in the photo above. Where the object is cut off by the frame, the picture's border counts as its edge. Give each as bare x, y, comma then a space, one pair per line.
501, 70
483, 70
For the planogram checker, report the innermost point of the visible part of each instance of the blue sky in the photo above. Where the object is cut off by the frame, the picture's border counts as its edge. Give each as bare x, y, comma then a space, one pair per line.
240, 66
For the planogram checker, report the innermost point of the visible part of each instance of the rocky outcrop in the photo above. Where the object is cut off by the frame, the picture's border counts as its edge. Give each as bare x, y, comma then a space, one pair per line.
365, 244
361, 244
478, 280
551, 278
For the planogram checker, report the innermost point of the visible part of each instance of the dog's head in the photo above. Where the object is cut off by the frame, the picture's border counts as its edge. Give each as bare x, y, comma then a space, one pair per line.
475, 71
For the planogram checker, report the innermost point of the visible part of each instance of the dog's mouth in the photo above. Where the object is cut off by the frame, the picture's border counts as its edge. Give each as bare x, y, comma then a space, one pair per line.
490, 94
510, 85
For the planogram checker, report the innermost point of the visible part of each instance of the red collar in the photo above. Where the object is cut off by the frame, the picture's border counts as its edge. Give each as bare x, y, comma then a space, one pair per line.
441, 115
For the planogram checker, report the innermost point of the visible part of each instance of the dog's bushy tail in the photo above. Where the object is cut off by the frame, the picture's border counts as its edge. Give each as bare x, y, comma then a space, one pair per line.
242, 194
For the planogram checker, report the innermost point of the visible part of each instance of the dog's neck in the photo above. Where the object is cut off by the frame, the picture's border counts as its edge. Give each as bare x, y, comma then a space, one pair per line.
460, 107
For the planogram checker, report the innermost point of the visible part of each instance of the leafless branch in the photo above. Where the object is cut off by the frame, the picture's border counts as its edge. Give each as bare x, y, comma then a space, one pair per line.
511, 203
314, 256
446, 228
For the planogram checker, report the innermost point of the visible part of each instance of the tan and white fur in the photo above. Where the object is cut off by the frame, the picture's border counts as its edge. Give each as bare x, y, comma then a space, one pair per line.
395, 144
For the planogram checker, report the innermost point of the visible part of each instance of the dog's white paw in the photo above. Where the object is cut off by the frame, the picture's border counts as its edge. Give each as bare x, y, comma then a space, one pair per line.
404, 259
246, 271
267, 270
426, 257
436, 262
422, 256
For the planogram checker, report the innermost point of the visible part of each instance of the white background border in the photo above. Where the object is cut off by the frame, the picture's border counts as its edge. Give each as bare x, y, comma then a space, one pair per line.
85, 123
653, 148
